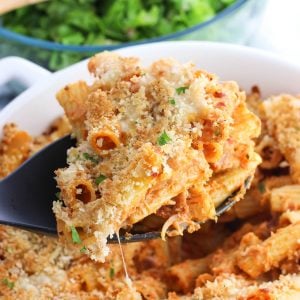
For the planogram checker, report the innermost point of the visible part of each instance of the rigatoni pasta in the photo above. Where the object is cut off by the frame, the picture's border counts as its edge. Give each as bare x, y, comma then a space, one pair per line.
17, 145
182, 276
285, 198
252, 252
282, 113
156, 136
261, 257
15, 148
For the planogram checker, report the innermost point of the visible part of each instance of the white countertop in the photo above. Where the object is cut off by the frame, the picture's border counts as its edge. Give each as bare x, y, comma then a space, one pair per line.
280, 29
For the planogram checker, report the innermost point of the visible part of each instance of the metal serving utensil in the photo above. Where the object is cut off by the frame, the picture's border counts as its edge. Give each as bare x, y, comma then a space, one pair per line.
26, 195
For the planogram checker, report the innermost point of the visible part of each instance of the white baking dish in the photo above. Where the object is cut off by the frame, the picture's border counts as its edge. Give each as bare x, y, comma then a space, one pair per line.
34, 109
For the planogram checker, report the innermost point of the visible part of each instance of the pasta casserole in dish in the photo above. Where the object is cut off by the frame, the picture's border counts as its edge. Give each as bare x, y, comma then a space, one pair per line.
168, 140
160, 147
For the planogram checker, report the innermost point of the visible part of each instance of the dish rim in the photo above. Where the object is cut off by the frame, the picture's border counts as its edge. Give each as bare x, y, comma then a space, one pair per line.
15, 112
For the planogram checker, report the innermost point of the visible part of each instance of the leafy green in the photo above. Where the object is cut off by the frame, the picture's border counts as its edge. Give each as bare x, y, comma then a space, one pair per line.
172, 101
57, 195
100, 179
8, 283
163, 139
90, 157
181, 90
73, 21
111, 272
83, 249
75, 236
96, 22
217, 132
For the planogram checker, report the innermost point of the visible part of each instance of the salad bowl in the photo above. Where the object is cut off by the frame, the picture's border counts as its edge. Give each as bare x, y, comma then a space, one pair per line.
235, 23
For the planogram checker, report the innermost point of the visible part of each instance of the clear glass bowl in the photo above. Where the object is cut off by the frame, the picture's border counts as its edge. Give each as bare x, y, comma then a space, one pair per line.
234, 24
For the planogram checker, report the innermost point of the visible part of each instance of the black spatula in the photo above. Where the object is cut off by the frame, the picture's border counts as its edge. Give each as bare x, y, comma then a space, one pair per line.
26, 195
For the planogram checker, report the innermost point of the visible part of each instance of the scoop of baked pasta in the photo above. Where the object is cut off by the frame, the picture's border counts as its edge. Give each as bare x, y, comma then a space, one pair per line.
168, 140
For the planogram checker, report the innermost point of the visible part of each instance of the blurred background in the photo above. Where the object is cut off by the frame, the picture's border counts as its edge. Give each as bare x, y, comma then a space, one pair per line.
279, 29
57, 33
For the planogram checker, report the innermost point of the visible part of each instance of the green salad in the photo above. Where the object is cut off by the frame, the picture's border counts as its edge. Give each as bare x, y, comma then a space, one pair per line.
96, 22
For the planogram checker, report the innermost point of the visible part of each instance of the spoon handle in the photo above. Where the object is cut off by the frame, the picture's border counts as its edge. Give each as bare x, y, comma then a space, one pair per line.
9, 5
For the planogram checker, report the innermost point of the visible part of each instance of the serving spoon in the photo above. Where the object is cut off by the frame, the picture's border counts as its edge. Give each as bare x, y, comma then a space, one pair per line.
27, 194
10, 5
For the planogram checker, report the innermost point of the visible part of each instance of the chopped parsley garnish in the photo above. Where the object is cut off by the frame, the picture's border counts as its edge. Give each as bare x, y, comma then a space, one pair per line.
261, 187
8, 283
172, 101
83, 249
100, 179
57, 195
111, 272
75, 236
181, 90
90, 157
217, 132
163, 139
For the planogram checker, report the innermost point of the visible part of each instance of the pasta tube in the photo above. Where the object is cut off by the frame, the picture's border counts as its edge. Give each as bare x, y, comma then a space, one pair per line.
103, 139
260, 258
181, 277
285, 198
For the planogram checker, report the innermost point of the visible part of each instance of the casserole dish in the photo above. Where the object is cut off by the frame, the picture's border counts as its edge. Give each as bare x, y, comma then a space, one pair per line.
34, 109
201, 260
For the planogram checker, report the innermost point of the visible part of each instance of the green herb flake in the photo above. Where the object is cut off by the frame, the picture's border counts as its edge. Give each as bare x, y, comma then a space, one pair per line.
100, 179
90, 157
57, 195
111, 272
8, 283
83, 249
163, 139
217, 132
181, 90
75, 236
172, 101
261, 187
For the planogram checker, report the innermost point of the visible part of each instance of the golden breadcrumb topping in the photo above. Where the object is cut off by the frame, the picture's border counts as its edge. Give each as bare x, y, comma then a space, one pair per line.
17, 145
282, 114
253, 252
152, 140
